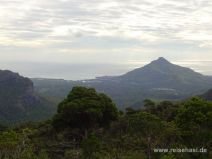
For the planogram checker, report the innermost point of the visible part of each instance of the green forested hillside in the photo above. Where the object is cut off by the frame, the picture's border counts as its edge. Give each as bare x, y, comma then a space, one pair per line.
54, 90
19, 102
89, 126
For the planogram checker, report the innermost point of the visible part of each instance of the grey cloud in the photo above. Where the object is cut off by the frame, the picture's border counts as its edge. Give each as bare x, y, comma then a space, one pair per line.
118, 30
87, 14
87, 17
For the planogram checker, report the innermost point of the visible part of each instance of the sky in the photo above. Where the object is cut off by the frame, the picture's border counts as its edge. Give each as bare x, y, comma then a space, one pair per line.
80, 39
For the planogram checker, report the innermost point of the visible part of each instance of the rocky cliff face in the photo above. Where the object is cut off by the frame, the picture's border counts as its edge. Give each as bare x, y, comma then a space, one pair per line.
18, 101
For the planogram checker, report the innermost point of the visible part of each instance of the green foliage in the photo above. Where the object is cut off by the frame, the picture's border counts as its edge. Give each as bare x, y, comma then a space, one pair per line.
135, 155
73, 154
149, 105
90, 127
168, 157
145, 124
9, 138
14, 145
85, 109
91, 147
194, 120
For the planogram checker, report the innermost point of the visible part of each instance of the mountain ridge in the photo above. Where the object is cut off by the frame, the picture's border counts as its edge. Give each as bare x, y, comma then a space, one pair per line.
160, 79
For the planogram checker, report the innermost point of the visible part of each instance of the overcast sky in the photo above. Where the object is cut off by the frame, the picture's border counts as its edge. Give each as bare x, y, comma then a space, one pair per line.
76, 39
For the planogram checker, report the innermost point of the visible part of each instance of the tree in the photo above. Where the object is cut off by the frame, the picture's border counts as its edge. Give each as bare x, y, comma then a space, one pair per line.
148, 126
166, 110
85, 109
91, 147
149, 105
194, 119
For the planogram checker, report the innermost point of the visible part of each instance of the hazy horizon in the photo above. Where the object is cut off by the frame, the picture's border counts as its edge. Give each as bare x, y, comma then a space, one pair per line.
76, 39
91, 71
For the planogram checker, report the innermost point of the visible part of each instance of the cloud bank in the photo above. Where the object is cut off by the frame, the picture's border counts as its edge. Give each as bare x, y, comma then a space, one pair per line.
106, 31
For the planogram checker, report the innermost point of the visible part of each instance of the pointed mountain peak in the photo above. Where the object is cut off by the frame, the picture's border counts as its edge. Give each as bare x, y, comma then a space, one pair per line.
162, 59
162, 69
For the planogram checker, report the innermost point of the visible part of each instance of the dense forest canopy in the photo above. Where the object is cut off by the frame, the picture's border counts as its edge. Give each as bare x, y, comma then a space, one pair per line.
88, 125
